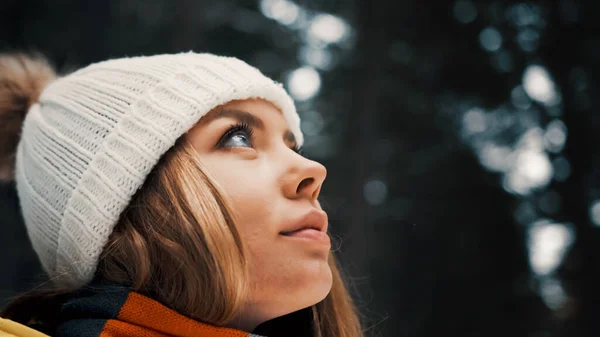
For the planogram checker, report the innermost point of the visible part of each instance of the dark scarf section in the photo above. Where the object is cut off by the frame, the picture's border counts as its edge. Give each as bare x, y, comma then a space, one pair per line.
105, 310
109, 310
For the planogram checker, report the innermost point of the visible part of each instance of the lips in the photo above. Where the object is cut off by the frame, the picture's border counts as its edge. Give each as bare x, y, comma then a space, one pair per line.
313, 220
310, 234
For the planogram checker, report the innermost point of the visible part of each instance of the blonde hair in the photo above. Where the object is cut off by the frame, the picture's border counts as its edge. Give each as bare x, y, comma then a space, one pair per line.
179, 219
177, 242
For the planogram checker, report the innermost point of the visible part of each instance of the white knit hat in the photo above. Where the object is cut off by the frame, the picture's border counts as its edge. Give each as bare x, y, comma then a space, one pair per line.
89, 143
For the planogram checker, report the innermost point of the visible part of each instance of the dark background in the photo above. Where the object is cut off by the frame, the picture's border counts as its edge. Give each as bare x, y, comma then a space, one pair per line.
460, 139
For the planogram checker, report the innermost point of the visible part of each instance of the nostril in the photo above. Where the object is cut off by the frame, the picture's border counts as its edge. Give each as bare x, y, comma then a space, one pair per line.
304, 184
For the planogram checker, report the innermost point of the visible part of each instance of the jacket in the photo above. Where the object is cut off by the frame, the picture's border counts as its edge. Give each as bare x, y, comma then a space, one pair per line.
9, 328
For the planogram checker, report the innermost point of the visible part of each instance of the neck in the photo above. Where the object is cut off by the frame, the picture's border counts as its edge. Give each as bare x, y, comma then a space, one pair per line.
247, 321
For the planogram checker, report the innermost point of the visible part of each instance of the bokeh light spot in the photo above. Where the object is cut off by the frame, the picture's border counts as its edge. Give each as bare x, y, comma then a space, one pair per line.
496, 158
562, 168
539, 86
317, 57
474, 121
532, 170
375, 192
284, 11
519, 98
528, 39
595, 213
548, 243
552, 293
555, 136
312, 123
304, 83
490, 39
464, 11
328, 28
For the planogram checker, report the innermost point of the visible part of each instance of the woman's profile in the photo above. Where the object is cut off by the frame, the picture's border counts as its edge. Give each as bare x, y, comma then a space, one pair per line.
167, 196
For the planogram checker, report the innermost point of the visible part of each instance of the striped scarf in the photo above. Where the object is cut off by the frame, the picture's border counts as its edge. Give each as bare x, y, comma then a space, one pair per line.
115, 311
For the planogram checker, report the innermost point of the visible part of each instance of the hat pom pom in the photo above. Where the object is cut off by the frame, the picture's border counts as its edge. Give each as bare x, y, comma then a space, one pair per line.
22, 79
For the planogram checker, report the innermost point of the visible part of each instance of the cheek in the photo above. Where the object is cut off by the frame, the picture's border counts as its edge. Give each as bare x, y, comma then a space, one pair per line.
255, 205
254, 211
245, 185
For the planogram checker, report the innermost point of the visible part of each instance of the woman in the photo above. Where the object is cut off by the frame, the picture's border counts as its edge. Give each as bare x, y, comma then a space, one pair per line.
166, 196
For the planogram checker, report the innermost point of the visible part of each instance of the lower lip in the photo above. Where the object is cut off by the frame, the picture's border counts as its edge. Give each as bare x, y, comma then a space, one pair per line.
311, 235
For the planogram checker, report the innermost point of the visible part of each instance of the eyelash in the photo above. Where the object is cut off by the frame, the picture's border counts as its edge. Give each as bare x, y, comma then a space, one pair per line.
237, 128
249, 132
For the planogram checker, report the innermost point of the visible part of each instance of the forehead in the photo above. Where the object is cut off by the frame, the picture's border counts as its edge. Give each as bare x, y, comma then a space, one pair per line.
265, 110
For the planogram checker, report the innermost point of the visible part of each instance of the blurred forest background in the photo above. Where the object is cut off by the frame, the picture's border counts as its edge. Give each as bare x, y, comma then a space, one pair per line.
463, 181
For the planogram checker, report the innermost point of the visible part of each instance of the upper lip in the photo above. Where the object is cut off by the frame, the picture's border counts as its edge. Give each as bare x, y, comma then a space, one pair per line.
314, 219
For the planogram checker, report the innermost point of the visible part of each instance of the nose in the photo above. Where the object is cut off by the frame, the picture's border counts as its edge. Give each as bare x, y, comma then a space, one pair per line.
303, 178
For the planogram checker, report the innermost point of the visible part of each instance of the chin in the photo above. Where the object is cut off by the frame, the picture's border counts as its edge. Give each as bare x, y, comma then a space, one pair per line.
316, 288
304, 285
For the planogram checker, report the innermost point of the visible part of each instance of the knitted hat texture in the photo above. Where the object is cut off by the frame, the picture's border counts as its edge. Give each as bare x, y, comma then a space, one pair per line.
89, 143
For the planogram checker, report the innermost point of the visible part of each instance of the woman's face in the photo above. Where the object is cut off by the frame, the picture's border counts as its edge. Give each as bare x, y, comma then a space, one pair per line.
247, 148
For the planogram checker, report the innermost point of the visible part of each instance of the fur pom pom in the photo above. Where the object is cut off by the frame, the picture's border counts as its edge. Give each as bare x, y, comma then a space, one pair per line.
22, 79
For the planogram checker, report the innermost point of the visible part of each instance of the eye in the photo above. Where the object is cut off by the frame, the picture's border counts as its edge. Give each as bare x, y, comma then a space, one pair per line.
238, 135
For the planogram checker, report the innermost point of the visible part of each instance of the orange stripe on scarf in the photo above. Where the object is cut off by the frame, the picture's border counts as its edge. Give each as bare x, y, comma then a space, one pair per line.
141, 316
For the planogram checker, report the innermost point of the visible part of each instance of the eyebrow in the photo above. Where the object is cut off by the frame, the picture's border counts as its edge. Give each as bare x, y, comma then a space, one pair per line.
248, 118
